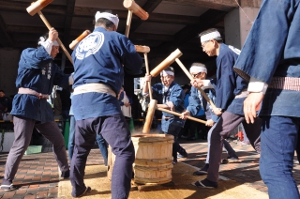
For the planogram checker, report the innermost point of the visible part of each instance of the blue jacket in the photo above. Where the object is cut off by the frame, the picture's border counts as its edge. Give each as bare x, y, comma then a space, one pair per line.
272, 49
102, 57
227, 83
197, 102
38, 72
175, 94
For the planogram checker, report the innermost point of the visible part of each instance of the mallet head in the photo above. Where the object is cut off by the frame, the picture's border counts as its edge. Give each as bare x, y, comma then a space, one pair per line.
37, 6
78, 39
136, 9
142, 49
166, 62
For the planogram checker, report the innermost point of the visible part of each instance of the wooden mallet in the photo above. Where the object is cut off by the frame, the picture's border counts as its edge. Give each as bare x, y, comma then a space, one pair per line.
132, 7
178, 114
145, 50
142, 49
78, 39
165, 63
36, 7
191, 78
153, 102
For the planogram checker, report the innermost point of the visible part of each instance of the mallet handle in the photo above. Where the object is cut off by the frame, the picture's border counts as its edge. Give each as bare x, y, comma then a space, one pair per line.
178, 114
58, 40
191, 78
128, 23
78, 39
149, 116
165, 63
147, 71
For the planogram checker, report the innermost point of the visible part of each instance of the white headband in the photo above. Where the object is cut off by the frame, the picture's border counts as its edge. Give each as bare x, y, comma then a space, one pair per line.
42, 42
198, 69
166, 72
108, 16
210, 36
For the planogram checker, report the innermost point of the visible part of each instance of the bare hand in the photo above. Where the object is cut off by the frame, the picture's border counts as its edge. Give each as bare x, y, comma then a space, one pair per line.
197, 83
252, 105
147, 78
53, 34
127, 104
209, 122
184, 115
217, 111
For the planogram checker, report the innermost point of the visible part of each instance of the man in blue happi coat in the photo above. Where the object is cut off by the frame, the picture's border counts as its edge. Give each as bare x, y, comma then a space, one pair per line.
100, 61
172, 99
37, 73
230, 95
197, 102
270, 61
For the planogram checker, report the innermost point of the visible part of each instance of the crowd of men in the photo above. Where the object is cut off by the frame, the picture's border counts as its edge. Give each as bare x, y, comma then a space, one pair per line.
257, 86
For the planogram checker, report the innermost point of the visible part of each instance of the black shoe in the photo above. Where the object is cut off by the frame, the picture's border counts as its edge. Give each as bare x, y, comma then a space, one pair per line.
184, 155
199, 173
65, 174
174, 162
233, 159
87, 189
205, 184
202, 171
230, 160
10, 187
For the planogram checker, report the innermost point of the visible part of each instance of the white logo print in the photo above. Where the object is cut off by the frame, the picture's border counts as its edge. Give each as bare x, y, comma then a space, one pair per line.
90, 45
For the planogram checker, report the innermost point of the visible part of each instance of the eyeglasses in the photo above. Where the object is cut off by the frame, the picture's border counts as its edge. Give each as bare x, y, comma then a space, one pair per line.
204, 44
195, 75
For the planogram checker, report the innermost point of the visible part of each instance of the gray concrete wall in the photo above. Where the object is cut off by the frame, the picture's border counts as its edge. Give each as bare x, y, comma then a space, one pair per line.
238, 23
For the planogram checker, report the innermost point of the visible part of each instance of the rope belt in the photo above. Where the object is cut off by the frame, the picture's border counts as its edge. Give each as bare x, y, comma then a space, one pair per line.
285, 83
29, 91
93, 87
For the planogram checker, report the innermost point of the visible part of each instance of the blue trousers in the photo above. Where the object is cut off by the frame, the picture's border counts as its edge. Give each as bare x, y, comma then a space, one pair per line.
100, 141
103, 147
115, 131
279, 138
174, 130
71, 136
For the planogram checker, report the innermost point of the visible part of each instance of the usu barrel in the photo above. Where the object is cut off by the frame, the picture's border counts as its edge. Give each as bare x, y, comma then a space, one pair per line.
153, 158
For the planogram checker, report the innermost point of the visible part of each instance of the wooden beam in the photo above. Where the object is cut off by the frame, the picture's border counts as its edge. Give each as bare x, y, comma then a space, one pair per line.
37, 30
68, 21
28, 29
192, 31
223, 5
149, 6
16, 6
250, 3
146, 36
5, 39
